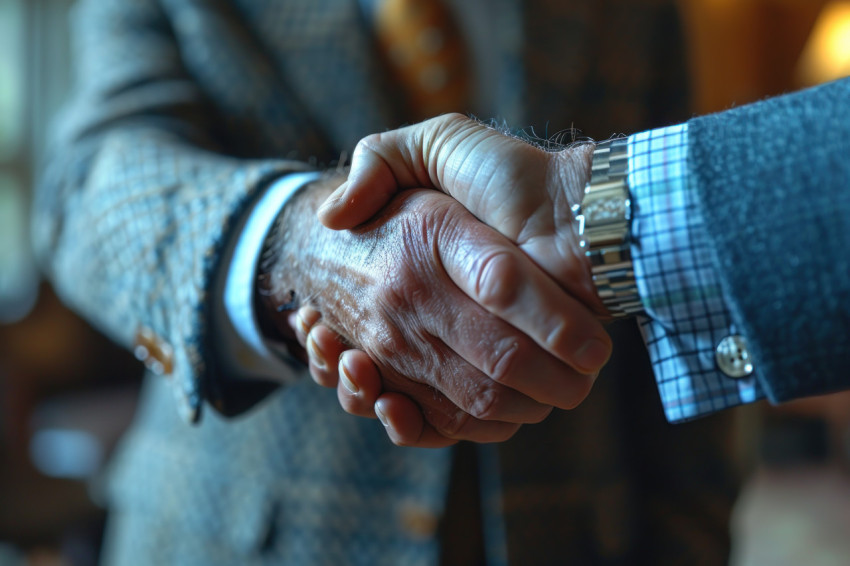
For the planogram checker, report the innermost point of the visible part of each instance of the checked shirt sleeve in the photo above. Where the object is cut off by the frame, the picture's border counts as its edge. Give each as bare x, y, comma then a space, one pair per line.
687, 314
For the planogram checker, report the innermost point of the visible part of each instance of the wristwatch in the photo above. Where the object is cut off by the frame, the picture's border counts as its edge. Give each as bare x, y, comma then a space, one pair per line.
603, 221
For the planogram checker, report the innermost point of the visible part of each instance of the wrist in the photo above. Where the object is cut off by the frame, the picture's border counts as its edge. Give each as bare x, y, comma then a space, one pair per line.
281, 281
569, 174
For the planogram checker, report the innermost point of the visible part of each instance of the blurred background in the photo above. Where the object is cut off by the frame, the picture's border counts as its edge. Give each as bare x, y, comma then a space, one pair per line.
65, 394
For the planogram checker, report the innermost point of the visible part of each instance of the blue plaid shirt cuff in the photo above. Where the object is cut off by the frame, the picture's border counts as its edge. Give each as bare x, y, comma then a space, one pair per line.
687, 313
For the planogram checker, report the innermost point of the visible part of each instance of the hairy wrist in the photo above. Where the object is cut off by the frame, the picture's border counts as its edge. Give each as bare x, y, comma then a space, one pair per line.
294, 244
570, 172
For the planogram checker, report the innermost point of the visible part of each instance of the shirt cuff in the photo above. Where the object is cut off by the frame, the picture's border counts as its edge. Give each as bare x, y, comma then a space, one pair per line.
687, 312
243, 351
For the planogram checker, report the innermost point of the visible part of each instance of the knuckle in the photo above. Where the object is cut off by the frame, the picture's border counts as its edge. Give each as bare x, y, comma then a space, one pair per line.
387, 344
390, 297
379, 337
496, 285
451, 424
399, 342
393, 296
558, 336
464, 426
500, 366
485, 404
368, 143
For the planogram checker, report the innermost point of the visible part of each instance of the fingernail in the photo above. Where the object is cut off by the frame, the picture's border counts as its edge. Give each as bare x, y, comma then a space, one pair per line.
592, 355
302, 324
381, 416
316, 355
345, 377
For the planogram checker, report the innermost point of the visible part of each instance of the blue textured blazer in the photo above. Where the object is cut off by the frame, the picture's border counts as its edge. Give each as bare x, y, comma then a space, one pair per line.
185, 109
773, 180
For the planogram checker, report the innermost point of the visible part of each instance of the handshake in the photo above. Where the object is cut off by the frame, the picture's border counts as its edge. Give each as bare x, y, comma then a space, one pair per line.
443, 288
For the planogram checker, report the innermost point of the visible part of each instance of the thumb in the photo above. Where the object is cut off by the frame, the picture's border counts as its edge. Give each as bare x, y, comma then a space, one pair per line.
387, 163
371, 184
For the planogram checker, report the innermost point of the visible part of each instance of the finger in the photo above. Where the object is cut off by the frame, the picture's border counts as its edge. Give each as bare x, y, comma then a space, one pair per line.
505, 282
359, 383
302, 321
386, 163
444, 339
324, 347
371, 184
405, 425
487, 399
466, 386
445, 415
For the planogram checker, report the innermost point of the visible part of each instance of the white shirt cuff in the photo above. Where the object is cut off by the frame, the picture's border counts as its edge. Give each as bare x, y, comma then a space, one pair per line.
243, 350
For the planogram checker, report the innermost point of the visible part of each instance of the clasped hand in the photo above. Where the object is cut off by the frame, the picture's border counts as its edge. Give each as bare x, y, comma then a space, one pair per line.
535, 340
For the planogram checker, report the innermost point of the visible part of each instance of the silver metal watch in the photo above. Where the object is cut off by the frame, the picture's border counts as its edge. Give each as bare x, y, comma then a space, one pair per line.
603, 221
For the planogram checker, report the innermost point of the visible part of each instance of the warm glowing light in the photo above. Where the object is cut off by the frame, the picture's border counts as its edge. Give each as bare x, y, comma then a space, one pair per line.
826, 56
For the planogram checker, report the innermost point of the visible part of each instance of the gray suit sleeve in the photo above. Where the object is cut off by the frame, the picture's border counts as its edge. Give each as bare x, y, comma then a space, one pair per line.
773, 180
137, 196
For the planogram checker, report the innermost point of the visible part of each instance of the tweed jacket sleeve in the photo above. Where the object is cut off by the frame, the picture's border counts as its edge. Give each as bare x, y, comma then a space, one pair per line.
773, 183
139, 195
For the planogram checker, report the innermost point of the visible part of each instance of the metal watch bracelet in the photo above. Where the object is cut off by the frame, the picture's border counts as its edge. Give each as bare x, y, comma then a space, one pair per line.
603, 221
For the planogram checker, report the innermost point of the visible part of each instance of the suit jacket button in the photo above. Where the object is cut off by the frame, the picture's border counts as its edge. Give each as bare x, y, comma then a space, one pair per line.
153, 351
733, 357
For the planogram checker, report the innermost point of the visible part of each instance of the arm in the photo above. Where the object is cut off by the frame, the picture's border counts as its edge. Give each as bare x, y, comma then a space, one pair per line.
142, 196
731, 199
744, 232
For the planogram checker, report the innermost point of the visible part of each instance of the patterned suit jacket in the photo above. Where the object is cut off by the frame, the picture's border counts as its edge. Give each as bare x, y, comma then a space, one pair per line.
183, 111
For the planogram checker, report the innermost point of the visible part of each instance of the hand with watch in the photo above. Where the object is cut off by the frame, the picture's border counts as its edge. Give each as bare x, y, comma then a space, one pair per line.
533, 197
471, 338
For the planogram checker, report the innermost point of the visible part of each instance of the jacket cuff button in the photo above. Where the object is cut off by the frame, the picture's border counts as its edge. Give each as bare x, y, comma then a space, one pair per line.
733, 357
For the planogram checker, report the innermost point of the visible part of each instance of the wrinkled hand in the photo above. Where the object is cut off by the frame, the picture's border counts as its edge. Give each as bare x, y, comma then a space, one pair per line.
461, 325
520, 190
